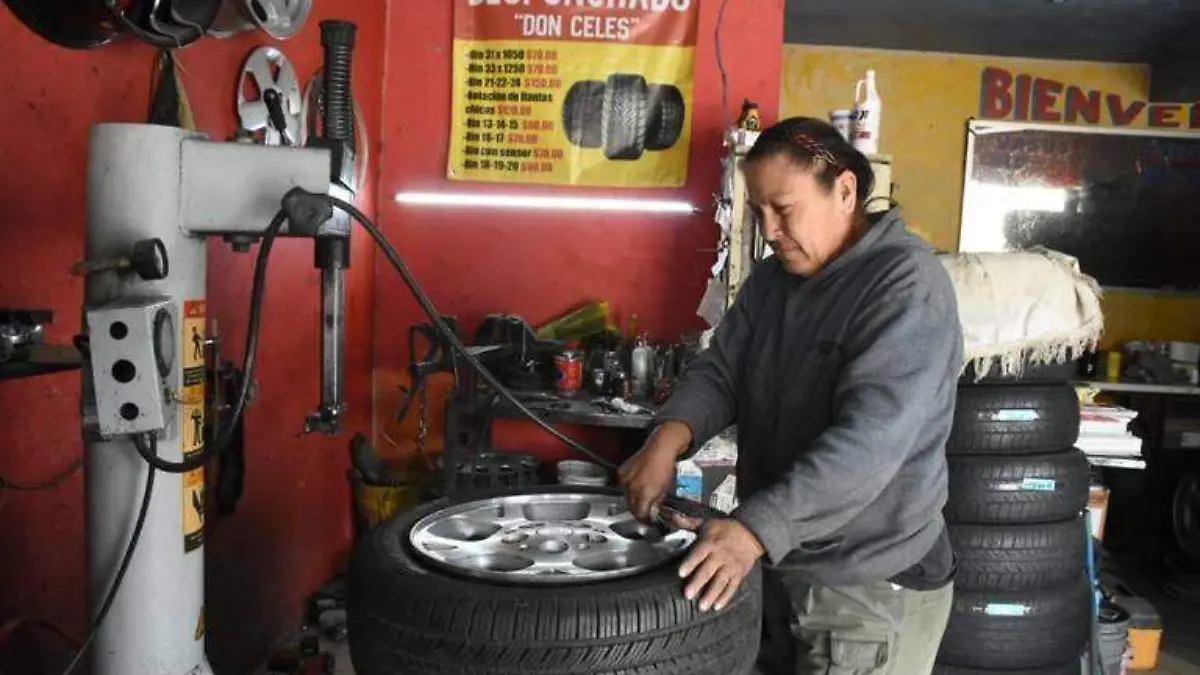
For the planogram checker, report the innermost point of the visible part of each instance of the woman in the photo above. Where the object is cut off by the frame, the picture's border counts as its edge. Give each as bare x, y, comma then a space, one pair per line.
838, 363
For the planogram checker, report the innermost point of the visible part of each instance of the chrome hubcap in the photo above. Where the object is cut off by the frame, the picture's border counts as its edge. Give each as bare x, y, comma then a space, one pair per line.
545, 539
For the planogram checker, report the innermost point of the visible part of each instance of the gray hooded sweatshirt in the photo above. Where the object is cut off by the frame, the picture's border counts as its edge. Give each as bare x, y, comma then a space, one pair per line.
842, 387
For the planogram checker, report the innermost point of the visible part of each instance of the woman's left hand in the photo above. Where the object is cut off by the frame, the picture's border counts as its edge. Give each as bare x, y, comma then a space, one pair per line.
719, 561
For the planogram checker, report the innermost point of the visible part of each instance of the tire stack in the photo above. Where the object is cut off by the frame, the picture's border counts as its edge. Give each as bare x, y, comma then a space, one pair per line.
1018, 490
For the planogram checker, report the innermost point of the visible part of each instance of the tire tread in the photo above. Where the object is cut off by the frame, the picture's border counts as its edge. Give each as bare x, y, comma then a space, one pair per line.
982, 488
625, 104
1053, 632
976, 431
1018, 557
404, 618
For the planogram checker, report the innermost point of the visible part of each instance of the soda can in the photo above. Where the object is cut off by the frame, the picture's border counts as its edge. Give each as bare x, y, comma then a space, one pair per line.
569, 365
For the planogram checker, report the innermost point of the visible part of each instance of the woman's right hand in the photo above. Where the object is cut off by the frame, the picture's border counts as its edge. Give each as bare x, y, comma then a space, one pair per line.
649, 475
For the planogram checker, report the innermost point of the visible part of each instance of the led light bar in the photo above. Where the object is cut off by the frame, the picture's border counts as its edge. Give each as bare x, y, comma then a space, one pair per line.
544, 202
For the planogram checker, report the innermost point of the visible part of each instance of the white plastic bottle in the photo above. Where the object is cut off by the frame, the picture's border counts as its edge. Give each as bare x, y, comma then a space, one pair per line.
868, 115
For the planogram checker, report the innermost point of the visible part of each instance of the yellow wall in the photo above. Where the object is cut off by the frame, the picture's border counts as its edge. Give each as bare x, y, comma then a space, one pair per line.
927, 100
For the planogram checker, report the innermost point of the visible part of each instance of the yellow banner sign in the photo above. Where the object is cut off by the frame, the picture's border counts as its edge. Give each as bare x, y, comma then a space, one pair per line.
573, 92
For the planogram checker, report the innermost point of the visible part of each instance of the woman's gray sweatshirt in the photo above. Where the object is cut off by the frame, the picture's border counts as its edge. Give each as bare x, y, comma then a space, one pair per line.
842, 387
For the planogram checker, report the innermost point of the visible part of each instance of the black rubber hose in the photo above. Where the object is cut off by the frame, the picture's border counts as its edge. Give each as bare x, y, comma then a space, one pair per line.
337, 37
448, 333
257, 293
123, 567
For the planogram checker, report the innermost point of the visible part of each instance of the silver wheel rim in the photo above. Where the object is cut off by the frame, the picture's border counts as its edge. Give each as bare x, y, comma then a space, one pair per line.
545, 539
281, 19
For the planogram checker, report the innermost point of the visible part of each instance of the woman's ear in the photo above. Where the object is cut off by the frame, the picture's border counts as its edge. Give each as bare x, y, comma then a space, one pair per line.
846, 190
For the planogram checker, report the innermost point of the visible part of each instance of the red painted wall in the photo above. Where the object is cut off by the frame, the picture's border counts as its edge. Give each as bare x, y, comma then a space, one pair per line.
294, 521
475, 262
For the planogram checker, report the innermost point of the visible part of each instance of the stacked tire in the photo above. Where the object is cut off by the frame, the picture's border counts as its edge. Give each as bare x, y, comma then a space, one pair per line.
1018, 490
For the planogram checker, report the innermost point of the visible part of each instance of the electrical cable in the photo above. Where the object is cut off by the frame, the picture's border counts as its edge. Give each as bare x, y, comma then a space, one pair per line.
47, 484
123, 567
721, 66
11, 627
7, 484
436, 318
249, 359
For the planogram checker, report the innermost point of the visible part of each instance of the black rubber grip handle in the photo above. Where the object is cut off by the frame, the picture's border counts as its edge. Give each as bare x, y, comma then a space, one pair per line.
337, 37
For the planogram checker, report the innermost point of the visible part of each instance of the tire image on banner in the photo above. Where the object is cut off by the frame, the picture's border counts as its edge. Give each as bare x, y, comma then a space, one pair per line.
568, 92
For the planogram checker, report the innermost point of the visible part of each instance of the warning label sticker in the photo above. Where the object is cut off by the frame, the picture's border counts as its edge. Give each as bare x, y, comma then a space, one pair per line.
193, 510
192, 424
193, 334
191, 420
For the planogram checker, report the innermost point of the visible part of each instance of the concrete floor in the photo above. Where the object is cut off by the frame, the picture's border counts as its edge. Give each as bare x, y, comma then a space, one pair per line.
1169, 664
1173, 665
1180, 617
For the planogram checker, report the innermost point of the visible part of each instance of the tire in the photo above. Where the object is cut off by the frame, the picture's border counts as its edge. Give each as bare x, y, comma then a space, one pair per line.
1185, 517
1017, 491
667, 113
1072, 668
405, 617
625, 118
1011, 631
1014, 420
1018, 557
583, 114
1041, 373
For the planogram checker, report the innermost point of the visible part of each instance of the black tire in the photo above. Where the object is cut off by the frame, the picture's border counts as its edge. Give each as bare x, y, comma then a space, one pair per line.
667, 113
1014, 420
583, 114
411, 619
1041, 373
67, 24
1185, 517
988, 490
1018, 557
1072, 668
625, 117
1011, 631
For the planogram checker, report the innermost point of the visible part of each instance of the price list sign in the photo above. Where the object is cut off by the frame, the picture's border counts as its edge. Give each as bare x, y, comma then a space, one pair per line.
573, 92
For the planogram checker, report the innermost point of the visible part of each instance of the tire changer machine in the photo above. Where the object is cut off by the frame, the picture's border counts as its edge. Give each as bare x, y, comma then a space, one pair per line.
155, 195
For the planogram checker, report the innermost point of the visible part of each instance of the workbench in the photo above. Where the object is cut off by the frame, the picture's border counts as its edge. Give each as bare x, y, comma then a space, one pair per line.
472, 410
582, 409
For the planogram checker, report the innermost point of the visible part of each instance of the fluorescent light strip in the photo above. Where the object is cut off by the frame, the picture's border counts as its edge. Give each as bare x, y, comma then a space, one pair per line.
543, 202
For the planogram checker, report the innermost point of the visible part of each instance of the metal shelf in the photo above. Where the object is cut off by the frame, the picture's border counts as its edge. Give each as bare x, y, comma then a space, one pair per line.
43, 360
1142, 388
580, 410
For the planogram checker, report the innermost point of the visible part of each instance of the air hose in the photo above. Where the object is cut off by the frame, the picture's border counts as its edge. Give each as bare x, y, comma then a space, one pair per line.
445, 330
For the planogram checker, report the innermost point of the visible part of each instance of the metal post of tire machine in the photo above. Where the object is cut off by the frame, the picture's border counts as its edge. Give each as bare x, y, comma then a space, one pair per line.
165, 190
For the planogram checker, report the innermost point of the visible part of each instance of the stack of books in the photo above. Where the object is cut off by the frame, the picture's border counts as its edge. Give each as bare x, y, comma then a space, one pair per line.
1105, 438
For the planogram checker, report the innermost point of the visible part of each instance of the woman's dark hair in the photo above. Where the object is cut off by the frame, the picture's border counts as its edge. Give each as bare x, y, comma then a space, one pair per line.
814, 144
